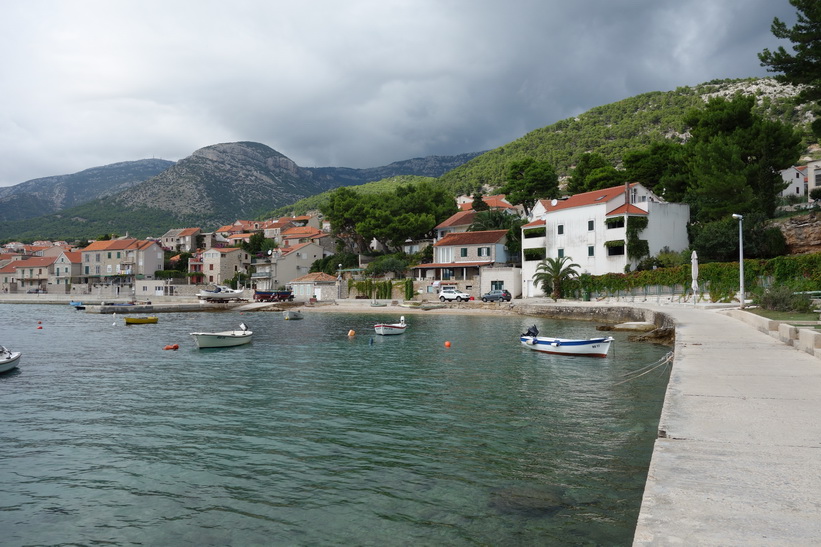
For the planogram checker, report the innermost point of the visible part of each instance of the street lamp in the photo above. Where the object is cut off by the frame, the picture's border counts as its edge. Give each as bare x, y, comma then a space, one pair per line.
740, 220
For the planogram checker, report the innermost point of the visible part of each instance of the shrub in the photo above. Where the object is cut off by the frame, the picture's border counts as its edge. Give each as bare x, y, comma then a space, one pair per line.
782, 298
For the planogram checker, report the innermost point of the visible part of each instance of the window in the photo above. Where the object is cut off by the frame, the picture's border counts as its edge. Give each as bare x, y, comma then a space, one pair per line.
210, 266
109, 254
560, 229
591, 225
561, 253
591, 250
484, 251
615, 250
497, 285
463, 252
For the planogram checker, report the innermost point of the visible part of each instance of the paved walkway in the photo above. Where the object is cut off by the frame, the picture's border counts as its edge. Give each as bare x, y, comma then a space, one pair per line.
738, 460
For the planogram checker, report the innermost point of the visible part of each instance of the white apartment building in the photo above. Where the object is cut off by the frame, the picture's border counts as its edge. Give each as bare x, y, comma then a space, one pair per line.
591, 229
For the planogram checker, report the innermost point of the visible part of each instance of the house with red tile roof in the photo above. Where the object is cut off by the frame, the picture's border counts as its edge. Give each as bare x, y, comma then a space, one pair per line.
475, 262
591, 229
498, 201
111, 267
284, 264
457, 222
220, 265
68, 269
181, 239
32, 274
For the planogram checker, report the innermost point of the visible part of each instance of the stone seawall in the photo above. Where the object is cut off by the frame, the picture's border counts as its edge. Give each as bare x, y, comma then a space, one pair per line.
600, 314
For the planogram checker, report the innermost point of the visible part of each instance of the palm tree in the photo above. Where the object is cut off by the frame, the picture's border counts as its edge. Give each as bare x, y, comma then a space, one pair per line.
552, 272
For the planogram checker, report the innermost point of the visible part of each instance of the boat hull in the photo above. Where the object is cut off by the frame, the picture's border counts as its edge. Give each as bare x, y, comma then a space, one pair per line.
591, 347
141, 320
390, 329
225, 339
9, 361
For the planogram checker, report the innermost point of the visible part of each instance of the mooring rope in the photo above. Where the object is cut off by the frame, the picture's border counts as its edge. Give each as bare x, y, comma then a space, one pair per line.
668, 358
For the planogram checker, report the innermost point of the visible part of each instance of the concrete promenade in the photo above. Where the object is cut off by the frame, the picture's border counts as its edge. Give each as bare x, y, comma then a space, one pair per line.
738, 458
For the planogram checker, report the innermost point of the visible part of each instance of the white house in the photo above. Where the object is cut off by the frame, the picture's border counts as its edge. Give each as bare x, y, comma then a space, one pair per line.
795, 179
591, 229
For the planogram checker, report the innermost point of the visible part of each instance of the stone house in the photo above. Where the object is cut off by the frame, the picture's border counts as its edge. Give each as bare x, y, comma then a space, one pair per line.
318, 286
219, 265
284, 265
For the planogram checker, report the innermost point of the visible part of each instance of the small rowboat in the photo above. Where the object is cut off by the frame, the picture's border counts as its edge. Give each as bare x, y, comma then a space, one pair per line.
223, 339
590, 347
141, 320
391, 328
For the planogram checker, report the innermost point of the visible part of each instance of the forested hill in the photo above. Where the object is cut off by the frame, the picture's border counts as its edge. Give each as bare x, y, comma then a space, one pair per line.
613, 129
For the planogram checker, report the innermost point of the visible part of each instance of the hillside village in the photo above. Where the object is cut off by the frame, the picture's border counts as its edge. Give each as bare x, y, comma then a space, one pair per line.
591, 228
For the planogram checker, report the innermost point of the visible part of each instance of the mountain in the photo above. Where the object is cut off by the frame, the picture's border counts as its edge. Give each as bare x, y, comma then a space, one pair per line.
46, 195
214, 186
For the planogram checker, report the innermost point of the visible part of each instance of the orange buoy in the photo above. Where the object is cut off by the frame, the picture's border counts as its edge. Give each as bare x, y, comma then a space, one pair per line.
351, 332
168, 347
39, 322
447, 344
175, 347
40, 327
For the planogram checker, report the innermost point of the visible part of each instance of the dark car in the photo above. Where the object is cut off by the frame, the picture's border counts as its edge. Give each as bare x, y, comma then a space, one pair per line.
493, 296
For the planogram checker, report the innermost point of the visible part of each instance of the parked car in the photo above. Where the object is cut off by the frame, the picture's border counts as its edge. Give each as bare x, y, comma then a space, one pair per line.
453, 294
36, 291
493, 296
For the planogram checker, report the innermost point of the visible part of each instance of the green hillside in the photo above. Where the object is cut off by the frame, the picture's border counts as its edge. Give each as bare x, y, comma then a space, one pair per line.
613, 129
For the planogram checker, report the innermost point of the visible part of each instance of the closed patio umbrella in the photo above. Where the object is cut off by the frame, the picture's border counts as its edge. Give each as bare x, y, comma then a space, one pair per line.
694, 275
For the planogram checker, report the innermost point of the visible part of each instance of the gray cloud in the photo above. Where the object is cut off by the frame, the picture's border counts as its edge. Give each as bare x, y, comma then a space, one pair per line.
355, 84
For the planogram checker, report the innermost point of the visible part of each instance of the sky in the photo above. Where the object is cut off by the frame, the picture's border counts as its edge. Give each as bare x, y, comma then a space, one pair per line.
354, 83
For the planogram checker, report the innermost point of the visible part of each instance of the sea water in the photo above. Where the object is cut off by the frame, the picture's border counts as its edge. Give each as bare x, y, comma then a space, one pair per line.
309, 436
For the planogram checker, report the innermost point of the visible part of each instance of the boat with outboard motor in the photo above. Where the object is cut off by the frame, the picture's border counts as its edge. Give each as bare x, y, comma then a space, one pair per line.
590, 347
391, 328
8, 359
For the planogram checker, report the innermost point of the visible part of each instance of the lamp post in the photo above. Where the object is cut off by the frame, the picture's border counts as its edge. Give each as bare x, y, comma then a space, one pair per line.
740, 220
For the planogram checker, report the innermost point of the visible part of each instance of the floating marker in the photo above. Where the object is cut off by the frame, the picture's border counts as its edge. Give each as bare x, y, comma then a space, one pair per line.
351, 332
447, 344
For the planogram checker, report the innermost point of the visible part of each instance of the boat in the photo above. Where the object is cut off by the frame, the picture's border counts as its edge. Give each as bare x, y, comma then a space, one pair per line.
8, 359
223, 339
376, 304
141, 320
391, 328
292, 314
220, 292
590, 347
273, 296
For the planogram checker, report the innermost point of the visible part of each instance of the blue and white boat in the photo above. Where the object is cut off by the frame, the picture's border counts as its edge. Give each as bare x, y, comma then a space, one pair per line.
589, 347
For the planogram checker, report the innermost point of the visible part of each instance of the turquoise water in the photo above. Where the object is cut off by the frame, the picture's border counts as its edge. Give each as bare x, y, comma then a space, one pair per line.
310, 437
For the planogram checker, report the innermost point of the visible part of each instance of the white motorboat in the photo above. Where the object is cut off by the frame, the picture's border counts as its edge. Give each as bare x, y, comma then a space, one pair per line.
591, 347
391, 328
292, 315
8, 359
220, 292
223, 339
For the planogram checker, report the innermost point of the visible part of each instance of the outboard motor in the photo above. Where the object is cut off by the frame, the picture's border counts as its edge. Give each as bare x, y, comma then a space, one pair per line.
532, 331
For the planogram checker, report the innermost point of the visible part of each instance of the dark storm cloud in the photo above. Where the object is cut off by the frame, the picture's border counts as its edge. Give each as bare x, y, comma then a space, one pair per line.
356, 84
